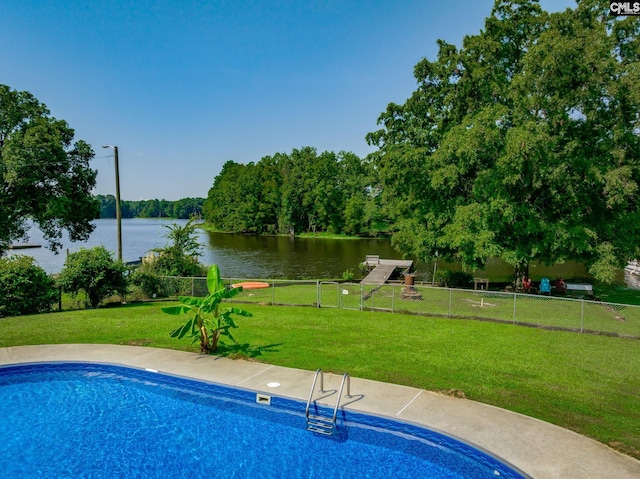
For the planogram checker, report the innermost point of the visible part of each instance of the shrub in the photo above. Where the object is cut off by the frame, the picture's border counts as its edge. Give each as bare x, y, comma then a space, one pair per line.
455, 279
147, 280
95, 272
25, 288
180, 258
347, 275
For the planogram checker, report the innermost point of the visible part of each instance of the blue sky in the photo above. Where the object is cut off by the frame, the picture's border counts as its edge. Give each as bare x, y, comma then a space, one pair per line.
183, 86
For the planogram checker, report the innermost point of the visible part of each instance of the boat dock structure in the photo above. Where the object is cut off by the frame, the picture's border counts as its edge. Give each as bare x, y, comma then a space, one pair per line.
24, 246
383, 268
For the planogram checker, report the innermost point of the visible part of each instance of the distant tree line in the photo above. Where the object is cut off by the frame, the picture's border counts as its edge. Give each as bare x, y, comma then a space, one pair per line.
181, 209
298, 192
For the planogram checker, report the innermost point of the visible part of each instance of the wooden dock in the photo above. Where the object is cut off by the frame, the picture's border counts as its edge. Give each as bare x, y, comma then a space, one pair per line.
24, 246
383, 269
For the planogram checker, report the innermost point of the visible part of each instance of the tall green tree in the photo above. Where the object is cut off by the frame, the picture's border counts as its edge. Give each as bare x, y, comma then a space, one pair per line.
44, 175
270, 180
361, 199
224, 207
522, 144
295, 169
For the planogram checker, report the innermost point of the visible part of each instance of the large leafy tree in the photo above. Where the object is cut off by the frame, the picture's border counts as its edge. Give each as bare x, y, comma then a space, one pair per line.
225, 207
44, 175
361, 198
522, 144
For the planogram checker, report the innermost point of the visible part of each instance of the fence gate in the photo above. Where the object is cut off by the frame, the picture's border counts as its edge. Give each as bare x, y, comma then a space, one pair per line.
351, 296
328, 294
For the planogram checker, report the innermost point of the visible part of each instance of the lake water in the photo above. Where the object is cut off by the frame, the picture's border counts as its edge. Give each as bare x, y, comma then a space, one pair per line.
237, 255
268, 257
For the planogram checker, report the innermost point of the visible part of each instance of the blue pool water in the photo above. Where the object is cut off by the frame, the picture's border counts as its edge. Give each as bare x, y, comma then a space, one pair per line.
73, 420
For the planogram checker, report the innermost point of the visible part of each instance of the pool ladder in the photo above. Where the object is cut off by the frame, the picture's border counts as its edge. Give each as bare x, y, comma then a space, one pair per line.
324, 424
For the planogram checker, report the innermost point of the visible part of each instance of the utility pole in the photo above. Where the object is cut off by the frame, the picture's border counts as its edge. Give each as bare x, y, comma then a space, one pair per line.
118, 211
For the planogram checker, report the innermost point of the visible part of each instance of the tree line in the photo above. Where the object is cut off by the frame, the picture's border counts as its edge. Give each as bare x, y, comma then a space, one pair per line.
303, 191
185, 208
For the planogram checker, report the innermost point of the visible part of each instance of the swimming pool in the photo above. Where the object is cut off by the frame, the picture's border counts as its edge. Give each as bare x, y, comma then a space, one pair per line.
104, 421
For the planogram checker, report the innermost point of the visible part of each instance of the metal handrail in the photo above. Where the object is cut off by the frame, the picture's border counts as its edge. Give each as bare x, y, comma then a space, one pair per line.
347, 378
313, 387
324, 428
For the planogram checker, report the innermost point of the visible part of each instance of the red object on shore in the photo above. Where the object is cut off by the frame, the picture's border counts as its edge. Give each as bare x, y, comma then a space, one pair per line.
251, 285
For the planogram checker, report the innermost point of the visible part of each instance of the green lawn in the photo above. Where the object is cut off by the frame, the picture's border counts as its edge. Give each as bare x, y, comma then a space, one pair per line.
587, 383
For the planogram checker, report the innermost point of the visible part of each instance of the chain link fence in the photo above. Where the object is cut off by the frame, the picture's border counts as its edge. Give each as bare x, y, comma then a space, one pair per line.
570, 314
273, 291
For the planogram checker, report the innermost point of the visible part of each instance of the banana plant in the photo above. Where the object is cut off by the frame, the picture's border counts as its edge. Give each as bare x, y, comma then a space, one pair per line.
208, 322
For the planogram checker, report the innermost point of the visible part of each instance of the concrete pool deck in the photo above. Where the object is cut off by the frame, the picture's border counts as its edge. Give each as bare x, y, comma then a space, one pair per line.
537, 448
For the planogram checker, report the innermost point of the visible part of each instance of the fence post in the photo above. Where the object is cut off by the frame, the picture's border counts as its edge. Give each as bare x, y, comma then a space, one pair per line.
515, 296
393, 298
582, 316
193, 291
318, 292
450, 301
361, 297
273, 292
373, 293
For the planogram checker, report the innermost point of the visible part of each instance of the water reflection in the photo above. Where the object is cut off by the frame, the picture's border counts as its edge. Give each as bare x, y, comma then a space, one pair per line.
243, 256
